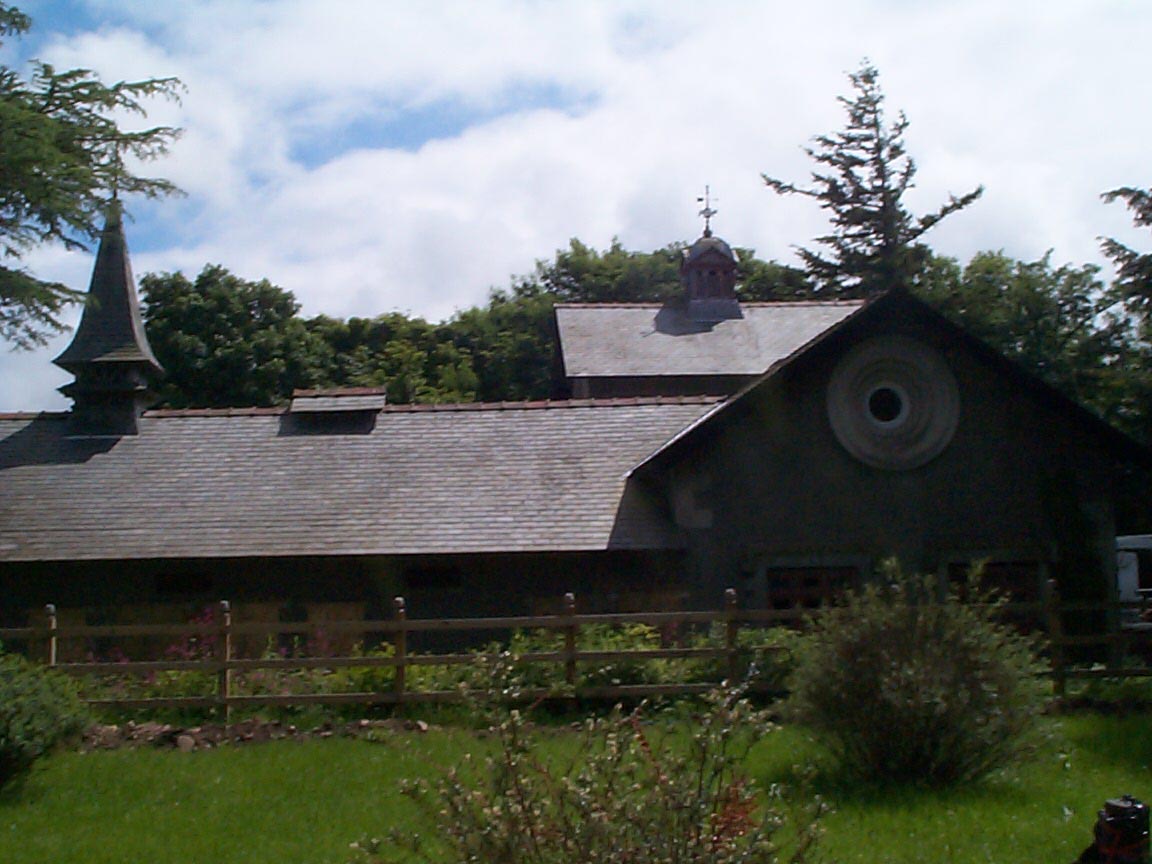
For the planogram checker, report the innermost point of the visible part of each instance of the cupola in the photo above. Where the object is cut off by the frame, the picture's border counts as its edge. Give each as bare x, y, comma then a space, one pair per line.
708, 274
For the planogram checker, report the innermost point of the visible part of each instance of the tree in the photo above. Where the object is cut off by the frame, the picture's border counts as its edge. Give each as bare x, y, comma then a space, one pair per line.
414, 360
512, 343
1053, 321
874, 244
1132, 292
1133, 270
580, 274
769, 280
63, 155
228, 342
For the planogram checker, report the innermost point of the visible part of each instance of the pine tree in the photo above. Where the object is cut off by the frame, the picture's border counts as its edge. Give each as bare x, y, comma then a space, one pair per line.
1133, 270
62, 157
865, 171
1132, 292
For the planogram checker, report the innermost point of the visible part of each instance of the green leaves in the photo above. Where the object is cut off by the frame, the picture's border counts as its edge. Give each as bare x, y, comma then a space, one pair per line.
908, 682
39, 708
863, 175
640, 786
223, 340
63, 157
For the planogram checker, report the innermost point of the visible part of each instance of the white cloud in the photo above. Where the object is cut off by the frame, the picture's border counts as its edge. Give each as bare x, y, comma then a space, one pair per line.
634, 107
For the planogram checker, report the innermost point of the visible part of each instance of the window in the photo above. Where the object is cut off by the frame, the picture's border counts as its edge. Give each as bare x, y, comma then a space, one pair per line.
801, 582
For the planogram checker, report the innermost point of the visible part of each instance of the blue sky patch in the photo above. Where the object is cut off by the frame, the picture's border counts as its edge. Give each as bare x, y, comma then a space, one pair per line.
409, 128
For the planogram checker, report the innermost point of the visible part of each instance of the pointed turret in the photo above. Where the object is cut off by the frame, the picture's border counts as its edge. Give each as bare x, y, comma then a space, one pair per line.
109, 355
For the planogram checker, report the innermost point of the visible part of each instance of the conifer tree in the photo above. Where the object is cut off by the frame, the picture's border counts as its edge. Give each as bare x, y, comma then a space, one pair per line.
62, 157
1133, 270
1132, 291
863, 175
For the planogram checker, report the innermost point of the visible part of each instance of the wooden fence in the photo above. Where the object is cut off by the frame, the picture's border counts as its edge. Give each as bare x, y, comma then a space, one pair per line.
219, 665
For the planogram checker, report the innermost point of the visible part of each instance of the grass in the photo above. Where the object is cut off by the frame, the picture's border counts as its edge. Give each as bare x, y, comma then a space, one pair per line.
1041, 811
283, 802
306, 801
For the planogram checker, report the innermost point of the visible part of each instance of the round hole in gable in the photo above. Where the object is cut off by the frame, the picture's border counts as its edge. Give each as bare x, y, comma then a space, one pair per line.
886, 405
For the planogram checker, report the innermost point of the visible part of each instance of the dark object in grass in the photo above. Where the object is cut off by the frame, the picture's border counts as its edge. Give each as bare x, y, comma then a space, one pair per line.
1121, 834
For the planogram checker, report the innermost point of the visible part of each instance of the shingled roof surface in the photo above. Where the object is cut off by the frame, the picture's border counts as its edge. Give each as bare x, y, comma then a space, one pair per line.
647, 339
427, 479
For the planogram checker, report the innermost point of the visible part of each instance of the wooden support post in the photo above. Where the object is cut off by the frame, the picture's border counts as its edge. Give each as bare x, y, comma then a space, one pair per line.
224, 661
53, 630
1055, 626
731, 634
570, 639
400, 643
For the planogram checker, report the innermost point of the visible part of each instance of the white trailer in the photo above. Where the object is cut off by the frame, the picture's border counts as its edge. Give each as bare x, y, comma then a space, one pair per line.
1134, 576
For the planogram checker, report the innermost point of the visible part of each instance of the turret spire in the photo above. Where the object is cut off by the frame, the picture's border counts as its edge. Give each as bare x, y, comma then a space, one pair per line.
110, 355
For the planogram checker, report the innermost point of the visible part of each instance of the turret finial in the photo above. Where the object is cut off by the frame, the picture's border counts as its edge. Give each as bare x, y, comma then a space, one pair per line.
708, 211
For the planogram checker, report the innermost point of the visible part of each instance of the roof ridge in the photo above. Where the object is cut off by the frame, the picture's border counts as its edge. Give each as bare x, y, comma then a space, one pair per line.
655, 304
216, 412
420, 408
34, 415
340, 391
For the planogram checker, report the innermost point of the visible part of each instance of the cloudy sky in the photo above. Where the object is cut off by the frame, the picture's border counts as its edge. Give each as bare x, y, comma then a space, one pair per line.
377, 155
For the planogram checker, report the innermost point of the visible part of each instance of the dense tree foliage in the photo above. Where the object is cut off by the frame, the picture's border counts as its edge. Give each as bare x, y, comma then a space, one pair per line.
416, 361
864, 172
1053, 321
227, 341
62, 158
1132, 292
580, 274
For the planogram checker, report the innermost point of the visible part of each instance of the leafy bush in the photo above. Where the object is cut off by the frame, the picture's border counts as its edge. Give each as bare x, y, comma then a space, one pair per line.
766, 658
38, 709
908, 682
647, 791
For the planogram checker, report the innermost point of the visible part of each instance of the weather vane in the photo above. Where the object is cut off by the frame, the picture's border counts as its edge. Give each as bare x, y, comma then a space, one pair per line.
708, 212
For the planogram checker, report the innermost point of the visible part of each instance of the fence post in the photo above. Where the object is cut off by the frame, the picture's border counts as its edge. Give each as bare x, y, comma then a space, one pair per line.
400, 643
1056, 638
731, 631
224, 659
570, 639
53, 628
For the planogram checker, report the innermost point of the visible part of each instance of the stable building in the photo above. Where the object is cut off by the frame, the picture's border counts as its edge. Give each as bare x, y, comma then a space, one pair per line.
783, 449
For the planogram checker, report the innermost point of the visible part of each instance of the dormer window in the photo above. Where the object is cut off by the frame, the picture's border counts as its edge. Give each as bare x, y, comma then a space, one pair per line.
347, 411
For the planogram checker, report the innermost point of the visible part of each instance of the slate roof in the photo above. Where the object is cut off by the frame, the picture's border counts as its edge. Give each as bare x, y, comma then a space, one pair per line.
647, 339
426, 479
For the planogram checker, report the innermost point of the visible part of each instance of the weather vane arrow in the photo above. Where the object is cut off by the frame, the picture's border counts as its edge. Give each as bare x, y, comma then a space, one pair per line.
708, 211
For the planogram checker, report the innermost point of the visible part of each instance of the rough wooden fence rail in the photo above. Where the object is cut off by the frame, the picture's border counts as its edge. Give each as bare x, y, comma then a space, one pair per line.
220, 661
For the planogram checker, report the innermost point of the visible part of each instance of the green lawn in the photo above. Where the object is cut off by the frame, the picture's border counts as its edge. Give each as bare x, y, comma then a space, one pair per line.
1043, 811
305, 802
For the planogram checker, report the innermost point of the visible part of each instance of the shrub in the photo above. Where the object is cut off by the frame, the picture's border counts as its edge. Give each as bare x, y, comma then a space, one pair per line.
38, 709
908, 682
643, 790
767, 658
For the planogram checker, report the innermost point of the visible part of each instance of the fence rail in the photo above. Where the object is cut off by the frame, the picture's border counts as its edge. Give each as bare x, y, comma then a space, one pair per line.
219, 662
